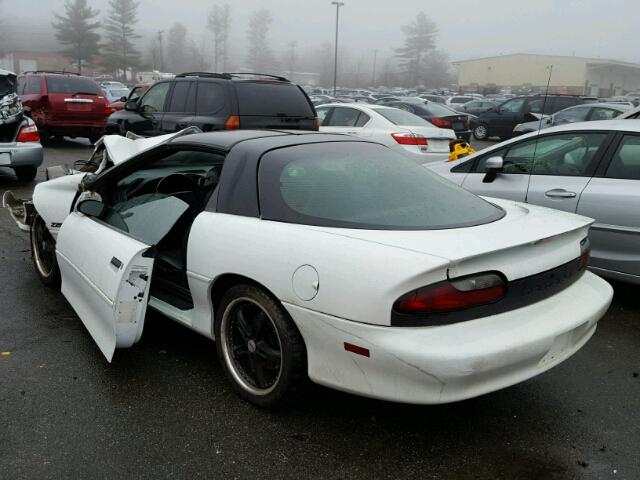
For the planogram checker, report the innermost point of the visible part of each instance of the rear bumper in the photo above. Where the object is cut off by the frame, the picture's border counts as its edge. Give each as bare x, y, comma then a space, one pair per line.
431, 365
21, 154
464, 135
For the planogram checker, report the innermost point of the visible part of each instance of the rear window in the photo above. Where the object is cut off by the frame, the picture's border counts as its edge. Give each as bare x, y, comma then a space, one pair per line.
71, 84
272, 100
402, 117
363, 185
438, 110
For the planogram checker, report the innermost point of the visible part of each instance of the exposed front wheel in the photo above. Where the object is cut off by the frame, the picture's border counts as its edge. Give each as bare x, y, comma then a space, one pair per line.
260, 348
481, 132
25, 174
43, 251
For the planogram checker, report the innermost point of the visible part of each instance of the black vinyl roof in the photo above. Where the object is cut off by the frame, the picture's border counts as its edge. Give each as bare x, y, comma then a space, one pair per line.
226, 140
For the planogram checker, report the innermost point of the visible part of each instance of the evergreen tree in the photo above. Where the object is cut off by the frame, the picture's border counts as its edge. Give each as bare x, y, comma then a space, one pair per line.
218, 24
76, 30
420, 40
119, 25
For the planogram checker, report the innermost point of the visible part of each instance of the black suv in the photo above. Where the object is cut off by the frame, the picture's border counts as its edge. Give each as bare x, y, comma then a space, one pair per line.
216, 101
500, 121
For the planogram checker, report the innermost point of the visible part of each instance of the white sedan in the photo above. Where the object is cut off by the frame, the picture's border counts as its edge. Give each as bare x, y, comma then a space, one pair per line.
310, 254
399, 130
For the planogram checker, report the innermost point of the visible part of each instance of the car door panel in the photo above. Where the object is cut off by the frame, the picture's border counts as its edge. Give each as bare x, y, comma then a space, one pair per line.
509, 186
557, 192
105, 278
615, 236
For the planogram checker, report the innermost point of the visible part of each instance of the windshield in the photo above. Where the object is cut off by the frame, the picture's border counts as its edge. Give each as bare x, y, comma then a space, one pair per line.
72, 84
363, 185
401, 117
7, 85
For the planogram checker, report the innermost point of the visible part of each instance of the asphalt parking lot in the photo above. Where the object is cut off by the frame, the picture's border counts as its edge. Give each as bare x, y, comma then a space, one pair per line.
163, 407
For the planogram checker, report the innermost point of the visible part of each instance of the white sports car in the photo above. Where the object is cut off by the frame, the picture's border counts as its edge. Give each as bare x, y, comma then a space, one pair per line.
319, 255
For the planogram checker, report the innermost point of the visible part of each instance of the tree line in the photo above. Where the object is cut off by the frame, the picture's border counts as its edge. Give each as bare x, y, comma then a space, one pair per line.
115, 40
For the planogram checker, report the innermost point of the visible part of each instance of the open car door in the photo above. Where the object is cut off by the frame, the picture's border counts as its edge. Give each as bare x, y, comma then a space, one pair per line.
105, 277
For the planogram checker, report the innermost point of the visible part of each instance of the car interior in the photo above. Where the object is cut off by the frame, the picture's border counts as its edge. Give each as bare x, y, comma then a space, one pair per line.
157, 204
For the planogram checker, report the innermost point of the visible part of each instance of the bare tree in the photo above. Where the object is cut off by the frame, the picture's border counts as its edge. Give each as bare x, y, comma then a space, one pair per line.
76, 30
178, 48
259, 56
420, 39
119, 50
218, 24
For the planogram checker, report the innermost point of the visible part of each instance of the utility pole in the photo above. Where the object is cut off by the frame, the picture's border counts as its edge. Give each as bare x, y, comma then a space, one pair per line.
161, 67
375, 58
335, 58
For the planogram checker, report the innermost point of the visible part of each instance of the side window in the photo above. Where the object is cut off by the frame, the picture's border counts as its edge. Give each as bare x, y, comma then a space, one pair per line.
154, 99
34, 85
183, 98
135, 93
363, 118
535, 105
571, 154
625, 163
512, 106
600, 113
149, 201
322, 115
20, 84
344, 117
570, 115
560, 103
210, 97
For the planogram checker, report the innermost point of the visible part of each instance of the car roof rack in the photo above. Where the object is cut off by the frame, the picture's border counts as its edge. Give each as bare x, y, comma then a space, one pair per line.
57, 72
254, 74
226, 76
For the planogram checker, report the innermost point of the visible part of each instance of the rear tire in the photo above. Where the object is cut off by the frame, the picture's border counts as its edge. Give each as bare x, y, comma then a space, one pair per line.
25, 174
259, 347
43, 252
481, 132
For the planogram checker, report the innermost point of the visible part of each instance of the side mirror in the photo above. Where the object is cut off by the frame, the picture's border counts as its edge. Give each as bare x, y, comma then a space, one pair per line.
131, 106
91, 208
492, 167
87, 181
123, 99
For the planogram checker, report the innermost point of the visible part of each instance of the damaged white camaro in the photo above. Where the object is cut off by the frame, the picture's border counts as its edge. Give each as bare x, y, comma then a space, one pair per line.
310, 254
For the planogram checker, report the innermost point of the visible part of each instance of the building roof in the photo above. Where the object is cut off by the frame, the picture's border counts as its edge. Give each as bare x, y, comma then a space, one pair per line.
591, 60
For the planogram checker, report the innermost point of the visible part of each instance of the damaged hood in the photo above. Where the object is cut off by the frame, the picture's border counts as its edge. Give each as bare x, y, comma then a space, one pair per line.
10, 105
121, 148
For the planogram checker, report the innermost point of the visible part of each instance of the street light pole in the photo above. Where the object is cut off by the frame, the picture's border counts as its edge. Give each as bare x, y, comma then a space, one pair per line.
375, 58
335, 58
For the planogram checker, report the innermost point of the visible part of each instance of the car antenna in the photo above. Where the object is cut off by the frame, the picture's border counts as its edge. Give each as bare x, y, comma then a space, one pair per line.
535, 147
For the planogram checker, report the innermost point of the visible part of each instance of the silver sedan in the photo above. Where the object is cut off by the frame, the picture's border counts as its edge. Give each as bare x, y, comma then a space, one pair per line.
590, 168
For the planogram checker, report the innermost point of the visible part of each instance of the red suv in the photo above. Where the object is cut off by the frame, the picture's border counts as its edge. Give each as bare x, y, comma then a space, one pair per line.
64, 104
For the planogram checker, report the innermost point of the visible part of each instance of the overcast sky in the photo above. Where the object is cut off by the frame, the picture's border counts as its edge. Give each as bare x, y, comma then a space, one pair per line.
593, 28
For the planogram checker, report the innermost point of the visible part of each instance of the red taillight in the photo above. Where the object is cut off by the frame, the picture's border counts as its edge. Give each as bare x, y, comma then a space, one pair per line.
456, 294
441, 122
409, 139
585, 252
28, 133
232, 123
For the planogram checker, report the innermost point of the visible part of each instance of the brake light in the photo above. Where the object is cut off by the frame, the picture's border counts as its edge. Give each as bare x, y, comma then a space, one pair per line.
232, 123
441, 122
585, 252
28, 133
457, 294
410, 139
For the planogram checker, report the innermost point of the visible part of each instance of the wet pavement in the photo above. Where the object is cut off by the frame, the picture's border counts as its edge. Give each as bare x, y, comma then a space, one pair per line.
163, 407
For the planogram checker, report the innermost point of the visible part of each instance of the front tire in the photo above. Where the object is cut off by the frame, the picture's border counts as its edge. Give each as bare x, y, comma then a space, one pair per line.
25, 174
43, 252
259, 347
481, 132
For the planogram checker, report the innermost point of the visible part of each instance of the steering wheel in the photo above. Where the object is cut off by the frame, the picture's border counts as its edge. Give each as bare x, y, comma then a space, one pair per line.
175, 183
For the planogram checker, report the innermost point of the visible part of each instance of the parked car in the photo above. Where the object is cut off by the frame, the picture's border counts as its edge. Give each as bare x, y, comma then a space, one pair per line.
591, 168
64, 104
476, 107
114, 94
580, 113
135, 93
501, 120
112, 84
216, 101
319, 255
433, 98
630, 114
457, 100
401, 131
386, 100
439, 115
20, 147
